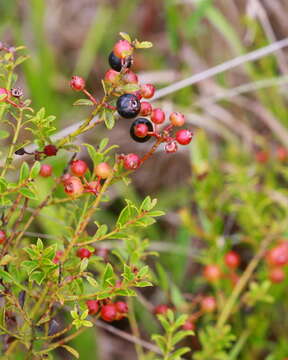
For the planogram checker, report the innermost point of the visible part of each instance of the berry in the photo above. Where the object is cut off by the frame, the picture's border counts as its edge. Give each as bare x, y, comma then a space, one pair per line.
122, 49
4, 94
161, 309
116, 63
46, 170
128, 106
208, 304
183, 136
66, 177
57, 256
146, 108
177, 119
17, 92
262, 156
282, 154
73, 186
93, 187
157, 116
50, 150
140, 128
147, 91
103, 170
130, 77
108, 312
212, 273
83, 253
171, 147
3, 236
188, 325
112, 76
77, 83
121, 307
232, 259
277, 256
79, 167
131, 161
93, 306
277, 275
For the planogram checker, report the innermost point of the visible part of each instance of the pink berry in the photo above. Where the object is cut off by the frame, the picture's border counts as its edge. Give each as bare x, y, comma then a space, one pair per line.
73, 186
177, 119
57, 256
77, 83
122, 49
121, 307
3, 236
189, 325
147, 90
282, 154
183, 136
171, 147
146, 108
112, 76
83, 253
208, 304
141, 130
131, 161
278, 256
232, 259
79, 167
93, 306
161, 309
212, 273
103, 170
157, 116
50, 150
277, 275
130, 77
46, 170
108, 312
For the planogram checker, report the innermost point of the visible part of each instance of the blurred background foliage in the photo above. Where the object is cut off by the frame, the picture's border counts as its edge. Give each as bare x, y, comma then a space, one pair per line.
235, 115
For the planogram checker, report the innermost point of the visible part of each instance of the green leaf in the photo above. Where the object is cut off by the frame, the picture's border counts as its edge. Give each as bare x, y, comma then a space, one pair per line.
27, 192
125, 36
144, 45
37, 276
92, 281
95, 156
108, 275
35, 170
71, 351
4, 275
3, 184
178, 353
40, 245
144, 284
109, 118
102, 230
84, 264
83, 102
156, 213
103, 143
4, 134
24, 172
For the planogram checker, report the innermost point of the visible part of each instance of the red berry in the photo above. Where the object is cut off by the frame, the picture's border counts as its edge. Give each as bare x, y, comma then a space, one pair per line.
232, 259
3, 236
121, 307
108, 312
103, 170
282, 154
208, 304
57, 256
131, 161
141, 130
5, 92
77, 83
177, 119
188, 325
146, 108
83, 253
73, 186
112, 76
278, 256
93, 187
50, 150
147, 90
46, 170
171, 147
183, 136
161, 309
277, 275
262, 156
157, 116
212, 273
93, 306
122, 49
79, 167
130, 77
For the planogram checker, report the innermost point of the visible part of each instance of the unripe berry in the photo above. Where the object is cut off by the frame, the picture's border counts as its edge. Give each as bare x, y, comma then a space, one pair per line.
112, 76
277, 256
171, 147
131, 161
45, 170
177, 119
157, 116
232, 259
83, 253
212, 273
130, 77
277, 275
262, 156
128, 106
161, 309
208, 304
282, 154
73, 186
77, 83
103, 170
5, 93
121, 307
146, 108
3, 236
108, 312
122, 49
57, 256
78, 167
188, 325
50, 150
147, 90
183, 136
93, 306
116, 63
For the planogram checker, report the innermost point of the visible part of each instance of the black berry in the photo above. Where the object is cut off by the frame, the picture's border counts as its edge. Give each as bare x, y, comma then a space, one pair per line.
133, 129
128, 106
116, 63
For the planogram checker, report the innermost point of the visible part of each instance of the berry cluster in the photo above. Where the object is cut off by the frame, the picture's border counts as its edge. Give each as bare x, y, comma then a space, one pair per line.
109, 311
277, 259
